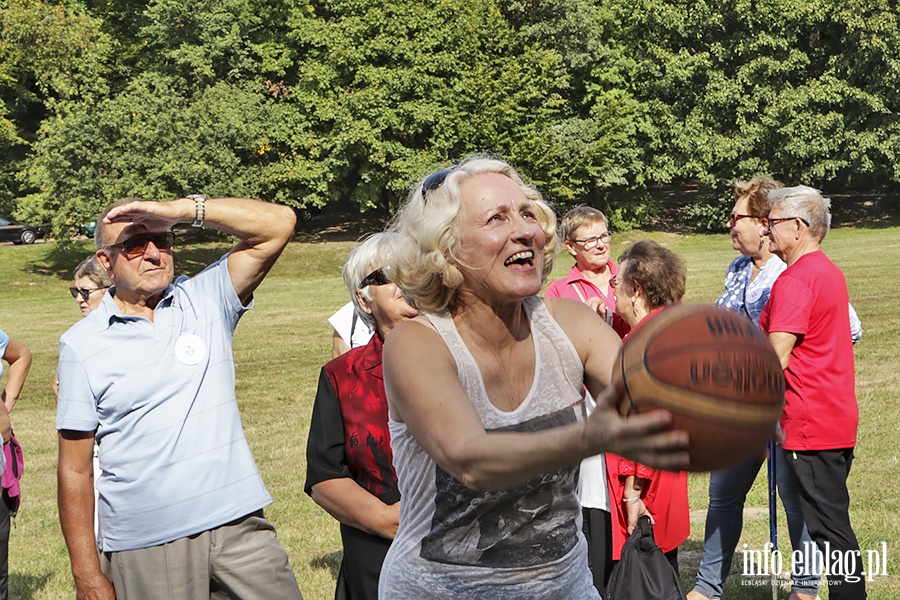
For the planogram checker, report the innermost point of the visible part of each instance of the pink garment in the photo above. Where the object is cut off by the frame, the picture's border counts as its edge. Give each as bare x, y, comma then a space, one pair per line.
575, 286
13, 473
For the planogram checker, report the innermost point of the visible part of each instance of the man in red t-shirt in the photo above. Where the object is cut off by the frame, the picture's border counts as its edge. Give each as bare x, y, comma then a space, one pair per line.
807, 322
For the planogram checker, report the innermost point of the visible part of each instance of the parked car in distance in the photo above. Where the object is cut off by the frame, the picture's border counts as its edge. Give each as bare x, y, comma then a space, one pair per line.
87, 229
19, 233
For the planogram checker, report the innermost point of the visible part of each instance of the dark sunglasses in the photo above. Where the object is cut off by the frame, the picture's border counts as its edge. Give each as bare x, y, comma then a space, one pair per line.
435, 180
136, 245
376, 277
85, 293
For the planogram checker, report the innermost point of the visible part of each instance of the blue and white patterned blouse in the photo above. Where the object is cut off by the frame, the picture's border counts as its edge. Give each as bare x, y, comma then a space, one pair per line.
745, 296
750, 297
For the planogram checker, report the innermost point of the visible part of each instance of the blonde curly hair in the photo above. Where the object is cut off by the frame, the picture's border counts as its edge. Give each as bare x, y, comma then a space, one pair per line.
428, 233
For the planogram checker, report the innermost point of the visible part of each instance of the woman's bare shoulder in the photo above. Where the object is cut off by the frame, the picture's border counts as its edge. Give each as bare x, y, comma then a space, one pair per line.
416, 342
565, 309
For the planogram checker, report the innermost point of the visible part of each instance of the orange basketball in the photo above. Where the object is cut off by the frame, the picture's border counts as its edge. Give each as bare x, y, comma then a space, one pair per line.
715, 371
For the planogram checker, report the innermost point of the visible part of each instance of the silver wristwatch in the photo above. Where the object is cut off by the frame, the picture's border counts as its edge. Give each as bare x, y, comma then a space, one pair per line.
200, 209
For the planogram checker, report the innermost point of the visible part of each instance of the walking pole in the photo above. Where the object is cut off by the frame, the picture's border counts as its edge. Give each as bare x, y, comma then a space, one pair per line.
773, 526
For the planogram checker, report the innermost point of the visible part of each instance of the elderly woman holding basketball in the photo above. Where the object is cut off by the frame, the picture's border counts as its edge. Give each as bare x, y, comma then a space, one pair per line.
486, 398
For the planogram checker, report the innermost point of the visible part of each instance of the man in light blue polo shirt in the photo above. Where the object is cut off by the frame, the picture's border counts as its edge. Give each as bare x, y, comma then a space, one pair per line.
150, 376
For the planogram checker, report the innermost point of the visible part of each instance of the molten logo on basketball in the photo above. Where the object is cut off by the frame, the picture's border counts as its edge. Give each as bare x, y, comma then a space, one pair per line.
732, 328
715, 372
742, 374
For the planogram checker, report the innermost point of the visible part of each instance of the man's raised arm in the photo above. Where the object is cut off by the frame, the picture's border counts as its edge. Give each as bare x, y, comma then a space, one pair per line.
263, 228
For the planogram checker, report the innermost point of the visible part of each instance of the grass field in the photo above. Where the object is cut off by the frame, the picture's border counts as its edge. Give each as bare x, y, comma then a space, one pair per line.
281, 344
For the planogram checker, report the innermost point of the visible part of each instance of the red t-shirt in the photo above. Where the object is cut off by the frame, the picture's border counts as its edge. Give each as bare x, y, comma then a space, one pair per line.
810, 301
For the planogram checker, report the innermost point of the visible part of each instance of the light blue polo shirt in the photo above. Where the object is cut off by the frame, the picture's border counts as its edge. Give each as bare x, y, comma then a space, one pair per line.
173, 457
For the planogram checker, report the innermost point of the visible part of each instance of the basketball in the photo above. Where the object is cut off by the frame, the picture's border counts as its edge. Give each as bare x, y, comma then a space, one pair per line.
715, 371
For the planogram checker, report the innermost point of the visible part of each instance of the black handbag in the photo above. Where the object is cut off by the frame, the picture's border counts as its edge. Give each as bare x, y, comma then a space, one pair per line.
644, 572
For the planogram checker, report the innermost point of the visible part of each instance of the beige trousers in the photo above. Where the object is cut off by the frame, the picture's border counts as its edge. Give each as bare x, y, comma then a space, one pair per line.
239, 560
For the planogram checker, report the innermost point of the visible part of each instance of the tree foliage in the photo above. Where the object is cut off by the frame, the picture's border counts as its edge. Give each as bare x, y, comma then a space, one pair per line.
47, 55
348, 101
776, 86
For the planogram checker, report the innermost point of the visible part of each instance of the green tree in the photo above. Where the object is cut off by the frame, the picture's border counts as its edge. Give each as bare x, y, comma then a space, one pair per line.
773, 86
149, 142
47, 54
399, 87
349, 101
396, 88
197, 108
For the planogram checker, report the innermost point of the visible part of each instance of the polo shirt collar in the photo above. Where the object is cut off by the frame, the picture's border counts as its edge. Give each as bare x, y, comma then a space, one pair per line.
109, 311
575, 275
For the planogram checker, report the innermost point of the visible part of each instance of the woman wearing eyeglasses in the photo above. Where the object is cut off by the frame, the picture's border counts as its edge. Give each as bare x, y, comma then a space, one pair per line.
589, 240
748, 284
349, 468
486, 395
591, 281
91, 282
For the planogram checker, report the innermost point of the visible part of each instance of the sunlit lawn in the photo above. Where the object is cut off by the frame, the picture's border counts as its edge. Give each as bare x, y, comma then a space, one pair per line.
281, 344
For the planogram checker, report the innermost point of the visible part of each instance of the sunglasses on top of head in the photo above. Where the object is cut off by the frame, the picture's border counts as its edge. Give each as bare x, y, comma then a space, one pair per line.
434, 181
136, 245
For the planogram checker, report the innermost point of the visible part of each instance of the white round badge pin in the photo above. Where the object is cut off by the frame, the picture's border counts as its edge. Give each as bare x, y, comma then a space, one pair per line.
190, 349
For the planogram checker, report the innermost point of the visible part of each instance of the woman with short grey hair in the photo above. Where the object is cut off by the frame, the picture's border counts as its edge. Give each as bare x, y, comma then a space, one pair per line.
349, 470
91, 283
